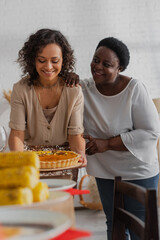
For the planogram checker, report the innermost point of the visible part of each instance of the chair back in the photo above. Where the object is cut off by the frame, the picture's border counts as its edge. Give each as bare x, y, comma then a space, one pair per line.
147, 230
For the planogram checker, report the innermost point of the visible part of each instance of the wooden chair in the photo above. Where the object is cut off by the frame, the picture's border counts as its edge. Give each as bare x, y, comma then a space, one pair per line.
122, 219
157, 104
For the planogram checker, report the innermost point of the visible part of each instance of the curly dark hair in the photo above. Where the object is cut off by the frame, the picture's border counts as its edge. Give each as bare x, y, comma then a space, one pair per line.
35, 43
119, 48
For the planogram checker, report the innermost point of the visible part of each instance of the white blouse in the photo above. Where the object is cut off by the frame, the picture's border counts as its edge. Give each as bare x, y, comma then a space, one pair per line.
130, 114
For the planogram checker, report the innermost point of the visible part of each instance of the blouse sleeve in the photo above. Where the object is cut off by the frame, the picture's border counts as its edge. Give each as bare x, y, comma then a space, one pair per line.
17, 115
142, 140
76, 120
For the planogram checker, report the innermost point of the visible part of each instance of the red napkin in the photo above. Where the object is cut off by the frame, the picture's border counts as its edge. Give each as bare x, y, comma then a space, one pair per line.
1, 233
72, 234
74, 191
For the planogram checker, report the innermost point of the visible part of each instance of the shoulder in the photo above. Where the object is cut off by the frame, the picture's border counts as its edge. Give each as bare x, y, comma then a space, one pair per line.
21, 89
87, 84
136, 85
74, 91
139, 89
139, 84
23, 83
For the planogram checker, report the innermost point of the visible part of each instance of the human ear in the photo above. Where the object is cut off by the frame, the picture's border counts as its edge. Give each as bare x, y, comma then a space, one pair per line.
120, 68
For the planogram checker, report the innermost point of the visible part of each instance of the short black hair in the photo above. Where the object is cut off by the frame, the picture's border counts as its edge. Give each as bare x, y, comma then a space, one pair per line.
119, 48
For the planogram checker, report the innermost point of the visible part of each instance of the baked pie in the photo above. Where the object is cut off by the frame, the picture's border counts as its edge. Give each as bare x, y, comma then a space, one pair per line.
57, 159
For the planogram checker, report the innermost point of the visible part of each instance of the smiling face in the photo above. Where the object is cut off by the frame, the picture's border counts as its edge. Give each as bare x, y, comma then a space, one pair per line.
49, 63
105, 66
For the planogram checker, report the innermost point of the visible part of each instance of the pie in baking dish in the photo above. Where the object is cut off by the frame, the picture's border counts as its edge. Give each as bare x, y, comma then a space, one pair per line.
57, 159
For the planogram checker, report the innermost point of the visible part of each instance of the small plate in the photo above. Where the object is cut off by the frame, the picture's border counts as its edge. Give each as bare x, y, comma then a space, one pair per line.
55, 198
33, 224
59, 184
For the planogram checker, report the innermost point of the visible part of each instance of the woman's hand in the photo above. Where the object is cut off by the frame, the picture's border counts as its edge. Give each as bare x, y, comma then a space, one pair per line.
83, 159
72, 79
95, 145
77, 144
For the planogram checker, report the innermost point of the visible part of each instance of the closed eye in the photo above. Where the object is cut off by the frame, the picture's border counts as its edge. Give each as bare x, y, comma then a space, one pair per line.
95, 60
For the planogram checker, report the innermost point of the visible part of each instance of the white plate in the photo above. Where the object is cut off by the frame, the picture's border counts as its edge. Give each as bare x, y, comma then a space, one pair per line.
55, 198
34, 224
59, 184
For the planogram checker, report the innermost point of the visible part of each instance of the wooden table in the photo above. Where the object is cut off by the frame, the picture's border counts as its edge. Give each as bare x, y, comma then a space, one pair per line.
64, 173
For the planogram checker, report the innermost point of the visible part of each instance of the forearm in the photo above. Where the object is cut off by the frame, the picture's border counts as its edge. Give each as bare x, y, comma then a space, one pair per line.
16, 140
77, 144
96, 145
116, 144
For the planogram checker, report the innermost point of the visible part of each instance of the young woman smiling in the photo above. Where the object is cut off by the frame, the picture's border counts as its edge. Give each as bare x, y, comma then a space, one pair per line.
43, 110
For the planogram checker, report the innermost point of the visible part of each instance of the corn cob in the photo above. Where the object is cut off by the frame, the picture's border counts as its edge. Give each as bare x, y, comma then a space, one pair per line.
26, 176
17, 159
40, 192
16, 196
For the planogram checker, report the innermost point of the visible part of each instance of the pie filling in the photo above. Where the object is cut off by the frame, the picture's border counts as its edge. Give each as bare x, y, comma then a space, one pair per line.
57, 159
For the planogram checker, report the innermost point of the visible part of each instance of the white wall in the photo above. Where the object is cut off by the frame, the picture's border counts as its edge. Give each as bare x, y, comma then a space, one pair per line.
84, 23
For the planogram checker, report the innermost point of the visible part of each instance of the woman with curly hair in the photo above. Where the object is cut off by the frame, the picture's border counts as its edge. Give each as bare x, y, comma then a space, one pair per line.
43, 110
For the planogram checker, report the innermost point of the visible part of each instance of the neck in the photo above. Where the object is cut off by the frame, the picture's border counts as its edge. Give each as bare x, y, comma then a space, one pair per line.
49, 86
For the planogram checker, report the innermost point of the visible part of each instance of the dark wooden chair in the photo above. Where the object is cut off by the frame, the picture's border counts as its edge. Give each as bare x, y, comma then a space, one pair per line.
147, 230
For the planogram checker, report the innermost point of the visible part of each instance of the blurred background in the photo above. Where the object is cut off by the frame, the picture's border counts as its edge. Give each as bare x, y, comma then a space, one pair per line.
84, 23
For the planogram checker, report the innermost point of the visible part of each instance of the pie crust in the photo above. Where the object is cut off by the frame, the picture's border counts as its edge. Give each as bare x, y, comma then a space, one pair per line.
57, 159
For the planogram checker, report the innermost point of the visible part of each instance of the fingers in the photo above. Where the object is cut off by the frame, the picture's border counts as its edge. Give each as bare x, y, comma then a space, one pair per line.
69, 83
91, 149
83, 160
90, 138
72, 79
77, 80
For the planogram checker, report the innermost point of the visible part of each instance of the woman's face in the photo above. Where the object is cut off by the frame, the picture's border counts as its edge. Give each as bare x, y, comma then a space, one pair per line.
105, 66
49, 63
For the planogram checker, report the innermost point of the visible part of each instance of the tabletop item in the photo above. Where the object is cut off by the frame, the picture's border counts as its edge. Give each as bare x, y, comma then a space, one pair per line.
32, 224
79, 164
72, 234
54, 197
25, 166
93, 200
57, 159
58, 201
18, 159
59, 184
3, 139
65, 173
74, 191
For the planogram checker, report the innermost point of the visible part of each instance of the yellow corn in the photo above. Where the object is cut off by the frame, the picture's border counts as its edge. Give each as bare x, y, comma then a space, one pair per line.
40, 192
17, 159
26, 176
16, 196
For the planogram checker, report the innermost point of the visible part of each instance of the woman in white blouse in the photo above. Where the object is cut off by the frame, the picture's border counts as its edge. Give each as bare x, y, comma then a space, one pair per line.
122, 127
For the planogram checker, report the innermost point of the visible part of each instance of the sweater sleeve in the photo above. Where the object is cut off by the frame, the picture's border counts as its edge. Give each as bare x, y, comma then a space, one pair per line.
142, 140
76, 120
17, 115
